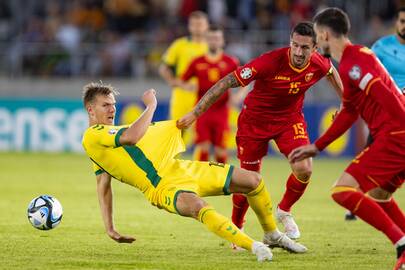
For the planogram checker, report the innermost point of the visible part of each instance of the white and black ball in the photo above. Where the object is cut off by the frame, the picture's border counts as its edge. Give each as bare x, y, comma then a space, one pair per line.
45, 212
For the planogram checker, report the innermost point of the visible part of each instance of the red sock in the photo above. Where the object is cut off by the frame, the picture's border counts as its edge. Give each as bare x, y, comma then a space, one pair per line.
369, 211
239, 209
221, 159
394, 212
294, 190
203, 155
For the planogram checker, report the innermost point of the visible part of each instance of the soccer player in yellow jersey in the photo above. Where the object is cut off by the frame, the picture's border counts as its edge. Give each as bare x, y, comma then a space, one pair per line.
177, 59
143, 155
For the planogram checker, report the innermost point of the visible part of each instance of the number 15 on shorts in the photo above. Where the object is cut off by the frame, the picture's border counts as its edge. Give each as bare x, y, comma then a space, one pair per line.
299, 131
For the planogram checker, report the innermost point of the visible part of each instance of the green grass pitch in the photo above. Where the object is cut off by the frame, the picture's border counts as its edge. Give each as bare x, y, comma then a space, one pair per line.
167, 241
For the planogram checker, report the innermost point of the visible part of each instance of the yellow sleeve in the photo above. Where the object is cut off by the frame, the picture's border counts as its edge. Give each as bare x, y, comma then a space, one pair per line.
170, 57
107, 136
97, 170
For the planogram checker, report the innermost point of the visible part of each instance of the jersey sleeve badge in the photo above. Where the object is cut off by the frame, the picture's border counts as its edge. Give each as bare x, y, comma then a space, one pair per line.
112, 131
355, 72
309, 76
246, 73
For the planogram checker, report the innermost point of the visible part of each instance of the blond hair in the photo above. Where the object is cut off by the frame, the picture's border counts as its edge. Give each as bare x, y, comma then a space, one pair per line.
93, 89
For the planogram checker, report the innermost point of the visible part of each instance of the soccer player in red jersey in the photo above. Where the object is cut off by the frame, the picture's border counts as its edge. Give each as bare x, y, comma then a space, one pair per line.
273, 111
367, 185
212, 126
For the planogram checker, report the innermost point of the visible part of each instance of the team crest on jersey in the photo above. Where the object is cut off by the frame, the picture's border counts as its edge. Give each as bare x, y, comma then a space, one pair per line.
355, 72
246, 73
112, 131
309, 76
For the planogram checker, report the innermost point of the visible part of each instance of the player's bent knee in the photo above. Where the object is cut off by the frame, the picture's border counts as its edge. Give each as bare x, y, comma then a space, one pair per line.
304, 175
379, 194
303, 172
244, 181
189, 204
196, 207
254, 180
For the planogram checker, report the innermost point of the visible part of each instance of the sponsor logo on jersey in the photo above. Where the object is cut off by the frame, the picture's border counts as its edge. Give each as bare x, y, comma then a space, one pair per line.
309, 76
251, 162
112, 131
246, 73
355, 72
281, 78
300, 137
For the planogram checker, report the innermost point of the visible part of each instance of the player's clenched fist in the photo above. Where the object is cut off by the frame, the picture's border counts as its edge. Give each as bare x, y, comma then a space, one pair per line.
149, 97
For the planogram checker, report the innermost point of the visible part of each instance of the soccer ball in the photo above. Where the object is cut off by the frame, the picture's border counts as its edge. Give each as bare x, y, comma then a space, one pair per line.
44, 212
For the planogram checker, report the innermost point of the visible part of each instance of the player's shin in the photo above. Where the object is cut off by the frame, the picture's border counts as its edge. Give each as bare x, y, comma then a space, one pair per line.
239, 209
295, 188
368, 210
223, 227
394, 212
260, 201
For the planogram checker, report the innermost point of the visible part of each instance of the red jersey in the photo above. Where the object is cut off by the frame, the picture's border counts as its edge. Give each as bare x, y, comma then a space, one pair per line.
208, 72
279, 89
370, 92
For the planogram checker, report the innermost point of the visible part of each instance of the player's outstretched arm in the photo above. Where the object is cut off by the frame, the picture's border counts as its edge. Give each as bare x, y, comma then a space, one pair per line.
215, 92
105, 199
336, 82
138, 128
212, 95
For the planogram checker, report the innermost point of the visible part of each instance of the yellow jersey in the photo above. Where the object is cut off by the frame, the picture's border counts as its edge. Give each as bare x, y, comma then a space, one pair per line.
141, 165
181, 52
178, 57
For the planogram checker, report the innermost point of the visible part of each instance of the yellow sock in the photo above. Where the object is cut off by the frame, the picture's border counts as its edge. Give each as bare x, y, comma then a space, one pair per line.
260, 201
224, 228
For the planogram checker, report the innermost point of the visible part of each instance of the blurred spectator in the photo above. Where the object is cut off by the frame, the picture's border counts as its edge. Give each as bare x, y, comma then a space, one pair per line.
125, 16
115, 56
216, 10
301, 10
5, 24
83, 37
189, 6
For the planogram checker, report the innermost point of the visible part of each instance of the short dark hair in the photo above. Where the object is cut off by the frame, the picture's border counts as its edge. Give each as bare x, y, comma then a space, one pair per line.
93, 89
401, 9
305, 29
335, 19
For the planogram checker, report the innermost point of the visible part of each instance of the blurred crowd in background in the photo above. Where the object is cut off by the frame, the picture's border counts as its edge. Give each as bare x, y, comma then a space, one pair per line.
126, 38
